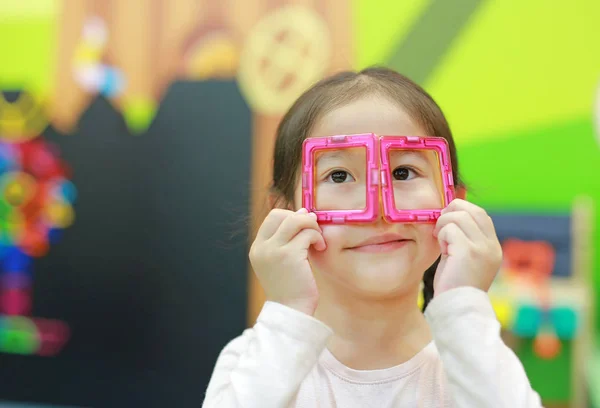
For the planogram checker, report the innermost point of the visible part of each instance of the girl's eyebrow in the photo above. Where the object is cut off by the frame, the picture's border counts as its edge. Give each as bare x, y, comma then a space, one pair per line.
349, 154
419, 154
340, 154
400, 152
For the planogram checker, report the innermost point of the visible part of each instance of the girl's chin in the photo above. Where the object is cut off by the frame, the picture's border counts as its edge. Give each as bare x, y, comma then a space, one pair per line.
376, 290
378, 275
377, 283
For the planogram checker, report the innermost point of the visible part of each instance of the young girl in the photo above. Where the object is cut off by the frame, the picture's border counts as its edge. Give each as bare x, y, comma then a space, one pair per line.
341, 326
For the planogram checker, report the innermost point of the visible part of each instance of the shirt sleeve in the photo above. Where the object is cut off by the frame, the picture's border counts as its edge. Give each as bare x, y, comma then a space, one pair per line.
265, 366
481, 370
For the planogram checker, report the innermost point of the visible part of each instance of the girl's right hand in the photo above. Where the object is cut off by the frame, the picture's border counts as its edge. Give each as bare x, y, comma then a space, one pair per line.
279, 257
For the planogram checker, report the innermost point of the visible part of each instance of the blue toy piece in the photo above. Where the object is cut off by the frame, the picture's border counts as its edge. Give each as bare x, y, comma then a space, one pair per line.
565, 320
527, 321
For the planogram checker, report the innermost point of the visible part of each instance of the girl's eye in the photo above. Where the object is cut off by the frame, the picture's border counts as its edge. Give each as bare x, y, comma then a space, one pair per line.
403, 173
340, 176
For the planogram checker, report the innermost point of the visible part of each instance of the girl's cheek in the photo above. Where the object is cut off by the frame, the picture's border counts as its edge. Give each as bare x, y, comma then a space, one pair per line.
335, 241
426, 233
334, 235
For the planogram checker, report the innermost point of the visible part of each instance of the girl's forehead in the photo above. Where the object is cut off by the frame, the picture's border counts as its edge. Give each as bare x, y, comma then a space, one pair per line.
358, 155
373, 114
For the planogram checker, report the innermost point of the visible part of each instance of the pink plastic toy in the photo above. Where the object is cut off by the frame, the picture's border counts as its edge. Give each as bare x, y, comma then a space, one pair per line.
378, 174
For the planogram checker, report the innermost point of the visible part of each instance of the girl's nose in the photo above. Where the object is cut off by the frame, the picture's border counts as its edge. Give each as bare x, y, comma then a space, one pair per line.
380, 215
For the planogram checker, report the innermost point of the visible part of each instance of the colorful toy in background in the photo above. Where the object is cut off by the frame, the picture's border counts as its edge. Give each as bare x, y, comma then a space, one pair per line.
543, 299
36, 196
22, 117
529, 265
97, 77
88, 69
36, 204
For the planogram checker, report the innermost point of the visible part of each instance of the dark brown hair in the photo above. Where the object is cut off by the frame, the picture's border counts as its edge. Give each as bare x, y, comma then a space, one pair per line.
341, 89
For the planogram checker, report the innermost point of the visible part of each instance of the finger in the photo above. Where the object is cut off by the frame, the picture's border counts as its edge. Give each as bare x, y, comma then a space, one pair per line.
271, 223
462, 219
452, 238
293, 224
480, 216
307, 237
443, 247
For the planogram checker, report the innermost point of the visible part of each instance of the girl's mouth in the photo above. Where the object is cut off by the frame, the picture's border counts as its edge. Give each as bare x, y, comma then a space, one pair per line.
381, 243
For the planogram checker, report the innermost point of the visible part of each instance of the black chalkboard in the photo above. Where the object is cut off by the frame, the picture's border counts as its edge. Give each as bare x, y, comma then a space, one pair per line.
152, 277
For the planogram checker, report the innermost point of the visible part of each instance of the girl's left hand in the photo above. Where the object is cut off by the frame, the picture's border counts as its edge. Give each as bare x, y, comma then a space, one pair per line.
471, 253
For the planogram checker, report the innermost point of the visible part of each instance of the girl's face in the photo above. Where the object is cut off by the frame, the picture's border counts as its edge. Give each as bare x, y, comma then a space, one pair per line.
378, 259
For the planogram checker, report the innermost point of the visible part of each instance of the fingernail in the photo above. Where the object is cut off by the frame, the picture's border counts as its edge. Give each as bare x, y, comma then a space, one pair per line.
313, 215
302, 210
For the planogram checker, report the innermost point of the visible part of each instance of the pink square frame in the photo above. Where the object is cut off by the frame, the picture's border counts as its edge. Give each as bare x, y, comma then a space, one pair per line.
436, 144
378, 179
369, 142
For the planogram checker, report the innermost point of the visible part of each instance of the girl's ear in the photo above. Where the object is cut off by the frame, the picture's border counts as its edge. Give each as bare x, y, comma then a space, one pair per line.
461, 192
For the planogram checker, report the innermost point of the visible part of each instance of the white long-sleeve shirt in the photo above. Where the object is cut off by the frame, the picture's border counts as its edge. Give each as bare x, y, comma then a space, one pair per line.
283, 362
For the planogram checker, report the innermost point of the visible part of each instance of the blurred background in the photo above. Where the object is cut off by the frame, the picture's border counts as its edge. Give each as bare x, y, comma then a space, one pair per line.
135, 142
